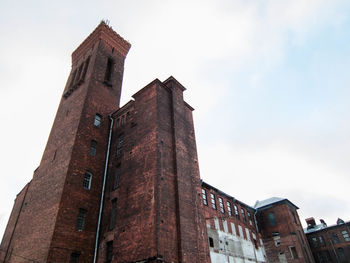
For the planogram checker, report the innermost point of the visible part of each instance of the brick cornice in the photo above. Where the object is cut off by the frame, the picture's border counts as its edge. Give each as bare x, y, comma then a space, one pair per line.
108, 35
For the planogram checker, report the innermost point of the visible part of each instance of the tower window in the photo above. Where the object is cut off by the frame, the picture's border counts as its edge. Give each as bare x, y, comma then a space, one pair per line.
117, 177
335, 238
250, 218
213, 203
345, 235
81, 219
221, 204
93, 146
109, 252
120, 145
74, 258
97, 120
204, 196
229, 210
87, 180
113, 214
109, 70
272, 220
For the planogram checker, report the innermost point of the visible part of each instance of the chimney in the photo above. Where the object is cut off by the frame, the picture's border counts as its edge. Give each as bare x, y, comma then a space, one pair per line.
310, 222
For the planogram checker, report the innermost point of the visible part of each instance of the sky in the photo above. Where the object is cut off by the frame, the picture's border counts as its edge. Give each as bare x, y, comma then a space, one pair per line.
269, 81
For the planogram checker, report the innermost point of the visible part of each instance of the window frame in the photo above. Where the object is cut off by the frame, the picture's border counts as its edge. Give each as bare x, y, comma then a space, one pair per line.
87, 182
213, 201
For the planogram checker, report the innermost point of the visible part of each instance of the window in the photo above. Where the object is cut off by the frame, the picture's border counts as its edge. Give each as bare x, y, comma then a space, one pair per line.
117, 123
221, 203
276, 238
122, 120
113, 214
243, 215
120, 145
81, 219
271, 217
229, 210
109, 252
93, 145
211, 242
341, 253
97, 120
236, 211
335, 238
127, 117
213, 203
74, 257
294, 253
345, 235
116, 177
72, 79
108, 74
314, 242
87, 180
322, 242
204, 196
250, 218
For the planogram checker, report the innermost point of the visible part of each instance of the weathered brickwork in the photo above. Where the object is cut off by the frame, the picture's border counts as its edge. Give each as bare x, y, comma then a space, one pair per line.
283, 236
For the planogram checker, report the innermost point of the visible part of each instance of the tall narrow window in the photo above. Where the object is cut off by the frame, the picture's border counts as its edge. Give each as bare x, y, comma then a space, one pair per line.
127, 117
221, 204
236, 211
86, 65
211, 242
109, 252
229, 210
78, 76
87, 180
120, 145
97, 120
113, 214
341, 254
271, 217
243, 215
250, 218
109, 70
81, 219
335, 238
213, 203
294, 253
73, 78
204, 196
74, 258
93, 145
116, 177
322, 242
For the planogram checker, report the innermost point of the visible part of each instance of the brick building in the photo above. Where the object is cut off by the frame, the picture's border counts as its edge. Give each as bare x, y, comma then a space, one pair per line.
282, 233
122, 184
329, 243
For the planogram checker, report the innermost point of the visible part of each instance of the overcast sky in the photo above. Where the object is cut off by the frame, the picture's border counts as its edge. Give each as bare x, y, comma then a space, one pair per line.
269, 81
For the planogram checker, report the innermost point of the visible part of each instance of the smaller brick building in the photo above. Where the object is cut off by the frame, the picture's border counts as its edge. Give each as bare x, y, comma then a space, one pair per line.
282, 233
329, 243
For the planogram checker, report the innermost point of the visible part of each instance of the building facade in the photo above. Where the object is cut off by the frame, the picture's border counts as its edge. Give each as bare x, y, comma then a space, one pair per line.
282, 233
329, 243
122, 184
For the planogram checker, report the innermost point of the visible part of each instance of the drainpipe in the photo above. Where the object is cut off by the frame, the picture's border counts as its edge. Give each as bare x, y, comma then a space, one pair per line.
103, 188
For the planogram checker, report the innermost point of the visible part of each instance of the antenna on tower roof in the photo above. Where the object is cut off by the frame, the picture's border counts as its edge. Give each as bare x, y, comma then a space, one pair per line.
106, 21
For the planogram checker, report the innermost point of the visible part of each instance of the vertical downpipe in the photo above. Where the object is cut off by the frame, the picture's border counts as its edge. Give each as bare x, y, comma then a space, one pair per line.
103, 188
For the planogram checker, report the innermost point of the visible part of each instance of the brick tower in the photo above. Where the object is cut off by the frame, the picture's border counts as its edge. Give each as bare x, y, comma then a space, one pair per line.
114, 184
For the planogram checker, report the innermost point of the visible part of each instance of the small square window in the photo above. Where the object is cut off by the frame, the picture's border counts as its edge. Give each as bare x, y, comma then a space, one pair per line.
74, 258
97, 120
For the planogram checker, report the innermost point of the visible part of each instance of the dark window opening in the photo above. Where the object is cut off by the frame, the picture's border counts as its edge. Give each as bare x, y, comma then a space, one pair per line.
117, 123
97, 120
116, 177
322, 242
74, 258
120, 145
341, 254
271, 217
81, 219
204, 196
127, 117
122, 120
109, 70
93, 145
236, 211
87, 180
113, 214
294, 252
211, 242
335, 238
109, 252
250, 218
243, 215
345, 235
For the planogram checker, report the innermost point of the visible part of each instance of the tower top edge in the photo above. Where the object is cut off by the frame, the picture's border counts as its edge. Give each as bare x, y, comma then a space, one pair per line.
102, 32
